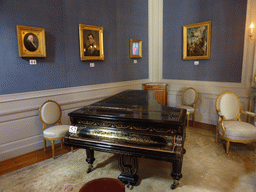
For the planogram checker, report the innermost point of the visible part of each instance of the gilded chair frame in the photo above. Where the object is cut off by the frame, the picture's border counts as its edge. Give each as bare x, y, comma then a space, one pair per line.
222, 118
191, 105
46, 125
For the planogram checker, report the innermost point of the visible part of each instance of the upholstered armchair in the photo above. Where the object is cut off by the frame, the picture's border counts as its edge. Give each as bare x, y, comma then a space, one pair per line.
189, 100
50, 115
229, 126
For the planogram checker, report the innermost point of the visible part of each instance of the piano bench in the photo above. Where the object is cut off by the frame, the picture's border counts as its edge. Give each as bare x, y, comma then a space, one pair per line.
103, 184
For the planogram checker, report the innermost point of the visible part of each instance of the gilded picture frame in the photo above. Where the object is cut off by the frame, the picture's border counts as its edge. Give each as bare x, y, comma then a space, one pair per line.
135, 48
197, 41
91, 42
31, 41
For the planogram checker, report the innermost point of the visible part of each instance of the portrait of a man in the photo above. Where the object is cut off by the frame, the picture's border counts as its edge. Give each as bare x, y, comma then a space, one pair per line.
91, 42
31, 42
91, 47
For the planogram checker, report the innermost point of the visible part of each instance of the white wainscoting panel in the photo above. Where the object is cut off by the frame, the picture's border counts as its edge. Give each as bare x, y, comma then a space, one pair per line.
20, 125
207, 96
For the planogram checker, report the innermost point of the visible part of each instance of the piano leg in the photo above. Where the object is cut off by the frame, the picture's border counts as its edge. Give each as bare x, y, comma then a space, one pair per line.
176, 173
90, 159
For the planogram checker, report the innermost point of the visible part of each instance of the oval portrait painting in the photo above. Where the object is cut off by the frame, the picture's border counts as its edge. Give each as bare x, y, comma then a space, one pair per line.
31, 42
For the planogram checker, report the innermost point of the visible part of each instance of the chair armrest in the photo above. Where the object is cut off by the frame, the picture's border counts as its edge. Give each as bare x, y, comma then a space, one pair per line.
249, 113
220, 114
221, 122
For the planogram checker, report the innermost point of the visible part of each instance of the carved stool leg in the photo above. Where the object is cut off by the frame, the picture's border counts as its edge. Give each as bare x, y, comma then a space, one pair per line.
90, 159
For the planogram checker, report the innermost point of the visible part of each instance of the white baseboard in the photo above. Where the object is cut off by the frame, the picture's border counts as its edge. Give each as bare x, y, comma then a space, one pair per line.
20, 147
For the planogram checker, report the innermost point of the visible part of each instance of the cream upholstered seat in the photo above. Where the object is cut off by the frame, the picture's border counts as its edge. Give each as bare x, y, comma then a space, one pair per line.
229, 126
189, 100
50, 115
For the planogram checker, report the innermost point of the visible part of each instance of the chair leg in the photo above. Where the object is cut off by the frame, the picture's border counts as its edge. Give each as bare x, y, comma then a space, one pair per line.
217, 136
227, 147
194, 119
53, 151
44, 145
61, 143
187, 119
72, 150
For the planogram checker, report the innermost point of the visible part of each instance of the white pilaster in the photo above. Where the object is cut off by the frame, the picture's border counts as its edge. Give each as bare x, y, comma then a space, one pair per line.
251, 52
155, 24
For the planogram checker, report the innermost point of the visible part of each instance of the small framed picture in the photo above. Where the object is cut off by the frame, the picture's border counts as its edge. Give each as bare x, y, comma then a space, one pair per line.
197, 41
135, 48
31, 41
91, 42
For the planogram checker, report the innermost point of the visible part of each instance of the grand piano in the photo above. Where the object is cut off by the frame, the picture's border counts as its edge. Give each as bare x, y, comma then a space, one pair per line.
132, 124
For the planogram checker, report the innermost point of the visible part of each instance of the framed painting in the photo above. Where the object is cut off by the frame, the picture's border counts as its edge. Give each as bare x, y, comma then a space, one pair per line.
91, 42
197, 41
135, 48
31, 41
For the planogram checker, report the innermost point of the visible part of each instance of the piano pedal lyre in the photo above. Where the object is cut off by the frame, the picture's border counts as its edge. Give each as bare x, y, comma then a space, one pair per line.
128, 166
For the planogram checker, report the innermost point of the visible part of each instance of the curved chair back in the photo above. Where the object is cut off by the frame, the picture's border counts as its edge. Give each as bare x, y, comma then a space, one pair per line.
229, 105
50, 113
189, 96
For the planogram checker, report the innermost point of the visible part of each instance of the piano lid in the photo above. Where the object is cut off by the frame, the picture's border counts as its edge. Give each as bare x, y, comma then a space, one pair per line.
131, 104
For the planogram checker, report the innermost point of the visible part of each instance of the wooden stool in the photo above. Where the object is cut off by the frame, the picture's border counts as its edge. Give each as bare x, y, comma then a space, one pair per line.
103, 185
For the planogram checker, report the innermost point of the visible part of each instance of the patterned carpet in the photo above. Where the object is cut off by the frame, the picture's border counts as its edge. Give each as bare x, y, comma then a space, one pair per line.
206, 168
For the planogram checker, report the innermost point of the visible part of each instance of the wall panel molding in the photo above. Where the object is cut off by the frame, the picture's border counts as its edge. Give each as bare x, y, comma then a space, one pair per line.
208, 93
20, 125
